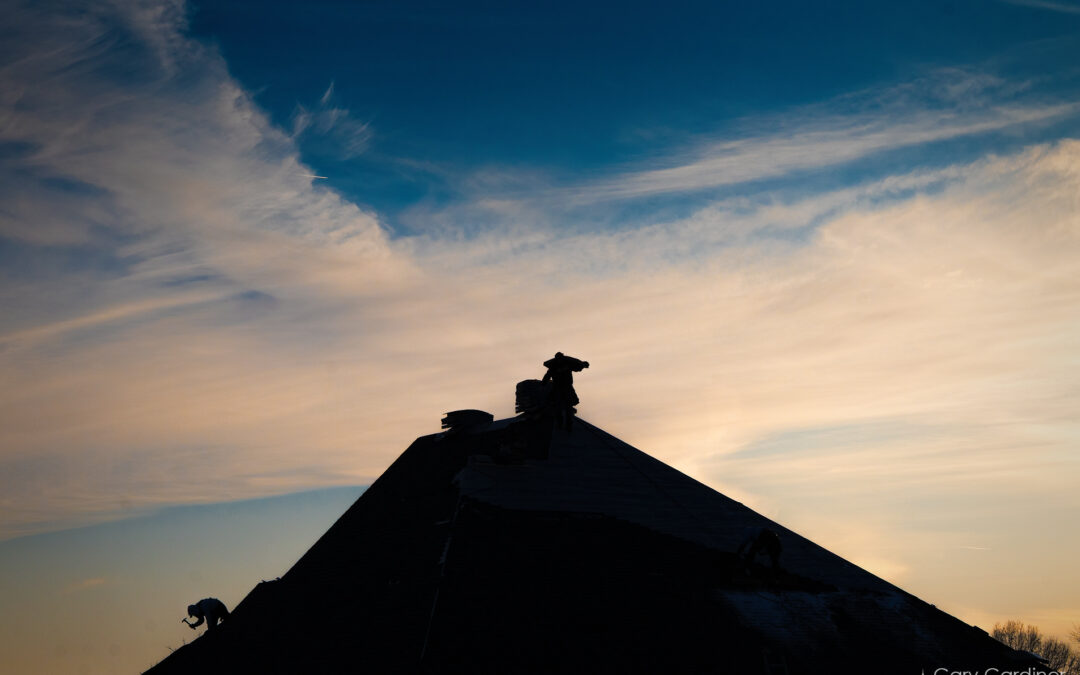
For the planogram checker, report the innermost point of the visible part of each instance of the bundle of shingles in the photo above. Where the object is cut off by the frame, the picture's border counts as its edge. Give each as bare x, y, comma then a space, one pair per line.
464, 420
530, 396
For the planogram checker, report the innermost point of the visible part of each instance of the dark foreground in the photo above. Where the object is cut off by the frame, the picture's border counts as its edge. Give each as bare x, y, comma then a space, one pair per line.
517, 549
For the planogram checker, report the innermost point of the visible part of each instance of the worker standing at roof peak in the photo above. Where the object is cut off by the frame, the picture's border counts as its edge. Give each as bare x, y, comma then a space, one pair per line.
560, 375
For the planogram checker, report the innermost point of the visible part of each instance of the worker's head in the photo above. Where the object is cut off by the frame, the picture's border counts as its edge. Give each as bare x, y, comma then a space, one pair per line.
191, 610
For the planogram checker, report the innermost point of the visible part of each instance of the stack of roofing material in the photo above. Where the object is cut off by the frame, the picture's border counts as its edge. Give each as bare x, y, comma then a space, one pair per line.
530, 396
466, 420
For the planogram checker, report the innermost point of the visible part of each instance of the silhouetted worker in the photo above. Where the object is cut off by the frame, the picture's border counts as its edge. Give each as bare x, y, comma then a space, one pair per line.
563, 398
210, 610
759, 541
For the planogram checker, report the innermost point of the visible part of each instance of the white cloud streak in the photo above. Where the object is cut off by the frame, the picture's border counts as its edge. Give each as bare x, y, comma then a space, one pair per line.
843, 140
340, 133
84, 585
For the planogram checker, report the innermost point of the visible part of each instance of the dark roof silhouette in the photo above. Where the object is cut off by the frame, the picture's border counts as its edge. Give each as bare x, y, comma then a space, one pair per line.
510, 547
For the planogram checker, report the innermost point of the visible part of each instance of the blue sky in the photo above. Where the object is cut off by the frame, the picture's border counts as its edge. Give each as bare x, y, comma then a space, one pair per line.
572, 93
822, 257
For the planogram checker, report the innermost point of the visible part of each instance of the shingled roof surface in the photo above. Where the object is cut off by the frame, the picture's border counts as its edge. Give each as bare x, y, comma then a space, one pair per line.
510, 547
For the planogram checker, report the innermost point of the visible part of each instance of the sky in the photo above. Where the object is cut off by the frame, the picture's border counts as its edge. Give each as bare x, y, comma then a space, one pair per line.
823, 257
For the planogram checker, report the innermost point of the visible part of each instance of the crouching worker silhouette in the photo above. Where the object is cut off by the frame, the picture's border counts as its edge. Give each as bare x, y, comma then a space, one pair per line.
563, 398
758, 541
210, 610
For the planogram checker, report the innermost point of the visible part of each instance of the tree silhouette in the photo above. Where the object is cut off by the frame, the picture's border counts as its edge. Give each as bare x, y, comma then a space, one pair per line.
1058, 654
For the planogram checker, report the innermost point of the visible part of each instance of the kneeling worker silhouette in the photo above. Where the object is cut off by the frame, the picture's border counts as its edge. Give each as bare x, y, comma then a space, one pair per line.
210, 610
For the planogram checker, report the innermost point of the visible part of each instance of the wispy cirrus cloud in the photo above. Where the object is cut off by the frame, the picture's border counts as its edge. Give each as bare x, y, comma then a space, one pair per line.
888, 133
331, 127
950, 104
84, 585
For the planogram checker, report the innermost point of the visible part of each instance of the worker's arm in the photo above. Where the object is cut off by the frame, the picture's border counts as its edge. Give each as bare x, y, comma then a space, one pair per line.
197, 623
